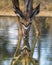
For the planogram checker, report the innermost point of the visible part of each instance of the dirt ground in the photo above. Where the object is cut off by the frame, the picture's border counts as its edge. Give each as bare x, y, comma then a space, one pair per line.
44, 10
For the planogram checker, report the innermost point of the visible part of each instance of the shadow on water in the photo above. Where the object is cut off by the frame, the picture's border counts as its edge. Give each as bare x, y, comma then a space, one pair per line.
9, 38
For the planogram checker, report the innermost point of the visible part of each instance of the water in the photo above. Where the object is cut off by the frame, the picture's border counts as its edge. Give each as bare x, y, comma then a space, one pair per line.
11, 35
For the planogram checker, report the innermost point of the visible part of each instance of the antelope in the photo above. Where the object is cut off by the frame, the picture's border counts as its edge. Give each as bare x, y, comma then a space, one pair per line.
25, 21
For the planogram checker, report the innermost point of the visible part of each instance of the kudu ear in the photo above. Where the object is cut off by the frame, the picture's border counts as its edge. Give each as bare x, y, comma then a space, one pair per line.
35, 11
17, 9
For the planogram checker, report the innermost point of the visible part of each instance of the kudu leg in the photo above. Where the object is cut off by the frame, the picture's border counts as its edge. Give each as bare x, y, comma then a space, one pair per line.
17, 60
19, 37
19, 40
36, 36
34, 61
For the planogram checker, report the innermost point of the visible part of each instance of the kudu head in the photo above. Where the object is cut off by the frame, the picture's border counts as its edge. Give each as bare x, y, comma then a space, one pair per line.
28, 13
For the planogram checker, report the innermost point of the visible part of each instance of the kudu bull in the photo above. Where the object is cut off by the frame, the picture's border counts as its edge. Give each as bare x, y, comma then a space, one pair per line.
25, 23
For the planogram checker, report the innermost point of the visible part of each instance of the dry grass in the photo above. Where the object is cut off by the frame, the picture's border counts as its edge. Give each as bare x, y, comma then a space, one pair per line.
6, 6
49, 7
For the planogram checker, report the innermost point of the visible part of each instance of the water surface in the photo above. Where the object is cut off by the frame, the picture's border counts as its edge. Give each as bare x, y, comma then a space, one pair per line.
9, 32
